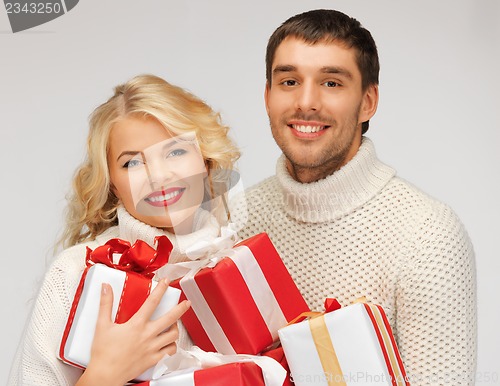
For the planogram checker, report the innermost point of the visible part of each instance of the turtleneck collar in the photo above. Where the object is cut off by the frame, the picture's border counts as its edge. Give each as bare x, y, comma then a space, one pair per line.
205, 226
338, 194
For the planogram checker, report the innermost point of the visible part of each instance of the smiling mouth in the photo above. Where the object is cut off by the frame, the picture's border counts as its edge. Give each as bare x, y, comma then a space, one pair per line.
308, 131
308, 128
165, 197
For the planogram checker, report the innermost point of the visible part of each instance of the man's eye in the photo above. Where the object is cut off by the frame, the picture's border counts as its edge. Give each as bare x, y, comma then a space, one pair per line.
132, 163
176, 153
331, 83
289, 82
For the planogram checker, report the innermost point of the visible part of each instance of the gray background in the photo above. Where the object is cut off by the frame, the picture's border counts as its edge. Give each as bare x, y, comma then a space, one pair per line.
437, 122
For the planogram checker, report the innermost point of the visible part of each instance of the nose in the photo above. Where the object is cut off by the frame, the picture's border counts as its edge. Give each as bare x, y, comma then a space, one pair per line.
160, 173
308, 97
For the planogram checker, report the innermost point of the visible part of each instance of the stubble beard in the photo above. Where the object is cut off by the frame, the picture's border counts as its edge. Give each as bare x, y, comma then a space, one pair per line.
317, 163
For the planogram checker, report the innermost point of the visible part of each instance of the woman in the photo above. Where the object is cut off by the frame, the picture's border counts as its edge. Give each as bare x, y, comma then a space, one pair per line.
153, 150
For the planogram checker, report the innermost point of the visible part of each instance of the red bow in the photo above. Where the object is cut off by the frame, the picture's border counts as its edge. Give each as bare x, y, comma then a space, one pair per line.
331, 304
140, 257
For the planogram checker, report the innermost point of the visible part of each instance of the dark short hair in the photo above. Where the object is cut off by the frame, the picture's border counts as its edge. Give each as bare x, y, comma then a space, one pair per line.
329, 25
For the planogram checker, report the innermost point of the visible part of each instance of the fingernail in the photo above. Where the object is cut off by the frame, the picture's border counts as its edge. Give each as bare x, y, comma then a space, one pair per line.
104, 288
166, 281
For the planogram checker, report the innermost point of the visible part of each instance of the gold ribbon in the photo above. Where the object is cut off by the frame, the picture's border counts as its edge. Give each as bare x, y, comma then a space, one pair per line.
361, 299
326, 352
324, 346
305, 315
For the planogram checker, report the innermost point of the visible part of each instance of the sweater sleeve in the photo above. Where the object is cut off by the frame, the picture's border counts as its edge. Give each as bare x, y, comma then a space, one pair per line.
436, 304
36, 361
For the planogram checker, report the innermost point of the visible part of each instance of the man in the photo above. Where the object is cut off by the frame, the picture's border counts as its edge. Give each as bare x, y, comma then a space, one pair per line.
345, 225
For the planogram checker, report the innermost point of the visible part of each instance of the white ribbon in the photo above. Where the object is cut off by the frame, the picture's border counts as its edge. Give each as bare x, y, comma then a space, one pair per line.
209, 247
213, 249
196, 359
259, 288
177, 270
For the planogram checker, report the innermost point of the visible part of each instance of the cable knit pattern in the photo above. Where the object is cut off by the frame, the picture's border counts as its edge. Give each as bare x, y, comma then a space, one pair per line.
36, 363
365, 232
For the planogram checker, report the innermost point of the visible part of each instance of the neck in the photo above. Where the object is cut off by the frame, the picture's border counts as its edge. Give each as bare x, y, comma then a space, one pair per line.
339, 193
311, 174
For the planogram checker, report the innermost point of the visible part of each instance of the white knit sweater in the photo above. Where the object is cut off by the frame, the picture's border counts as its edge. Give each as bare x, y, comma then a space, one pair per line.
365, 232
36, 363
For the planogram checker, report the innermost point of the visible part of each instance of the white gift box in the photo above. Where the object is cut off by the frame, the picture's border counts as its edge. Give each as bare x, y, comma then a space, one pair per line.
77, 340
353, 345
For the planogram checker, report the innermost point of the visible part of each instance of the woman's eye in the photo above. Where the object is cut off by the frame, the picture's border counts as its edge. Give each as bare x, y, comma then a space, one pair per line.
176, 152
132, 163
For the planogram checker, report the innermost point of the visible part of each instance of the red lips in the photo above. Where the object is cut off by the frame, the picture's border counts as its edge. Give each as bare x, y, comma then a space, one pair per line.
165, 197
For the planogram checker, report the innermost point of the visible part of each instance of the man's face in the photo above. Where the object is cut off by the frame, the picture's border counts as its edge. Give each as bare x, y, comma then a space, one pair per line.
316, 106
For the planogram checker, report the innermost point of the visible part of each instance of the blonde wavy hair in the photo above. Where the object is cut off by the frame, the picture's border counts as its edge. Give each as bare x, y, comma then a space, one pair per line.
92, 204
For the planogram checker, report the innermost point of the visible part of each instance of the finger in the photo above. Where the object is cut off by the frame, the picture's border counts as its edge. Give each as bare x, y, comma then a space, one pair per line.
156, 356
152, 301
173, 328
171, 349
171, 317
166, 338
106, 304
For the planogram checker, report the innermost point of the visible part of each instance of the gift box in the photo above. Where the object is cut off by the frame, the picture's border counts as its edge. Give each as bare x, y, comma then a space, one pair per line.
231, 374
238, 305
349, 346
131, 281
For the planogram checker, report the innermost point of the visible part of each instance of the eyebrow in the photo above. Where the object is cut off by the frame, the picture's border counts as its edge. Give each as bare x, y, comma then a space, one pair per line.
129, 152
167, 145
326, 70
336, 70
284, 68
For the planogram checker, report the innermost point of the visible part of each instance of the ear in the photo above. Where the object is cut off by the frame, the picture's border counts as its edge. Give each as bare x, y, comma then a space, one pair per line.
266, 96
369, 103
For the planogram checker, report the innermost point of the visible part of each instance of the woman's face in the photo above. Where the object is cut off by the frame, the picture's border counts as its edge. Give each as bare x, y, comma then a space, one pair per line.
158, 177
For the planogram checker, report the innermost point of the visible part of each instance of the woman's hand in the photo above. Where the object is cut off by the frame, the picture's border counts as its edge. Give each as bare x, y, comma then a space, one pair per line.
121, 352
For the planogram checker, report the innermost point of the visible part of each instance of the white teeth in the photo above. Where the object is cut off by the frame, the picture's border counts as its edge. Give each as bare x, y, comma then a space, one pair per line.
307, 129
165, 197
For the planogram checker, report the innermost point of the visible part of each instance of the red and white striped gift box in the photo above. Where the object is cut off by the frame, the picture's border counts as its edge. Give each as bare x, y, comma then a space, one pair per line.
238, 305
353, 345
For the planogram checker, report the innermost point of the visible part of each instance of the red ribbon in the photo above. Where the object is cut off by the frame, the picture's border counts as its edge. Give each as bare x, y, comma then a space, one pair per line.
331, 304
140, 257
